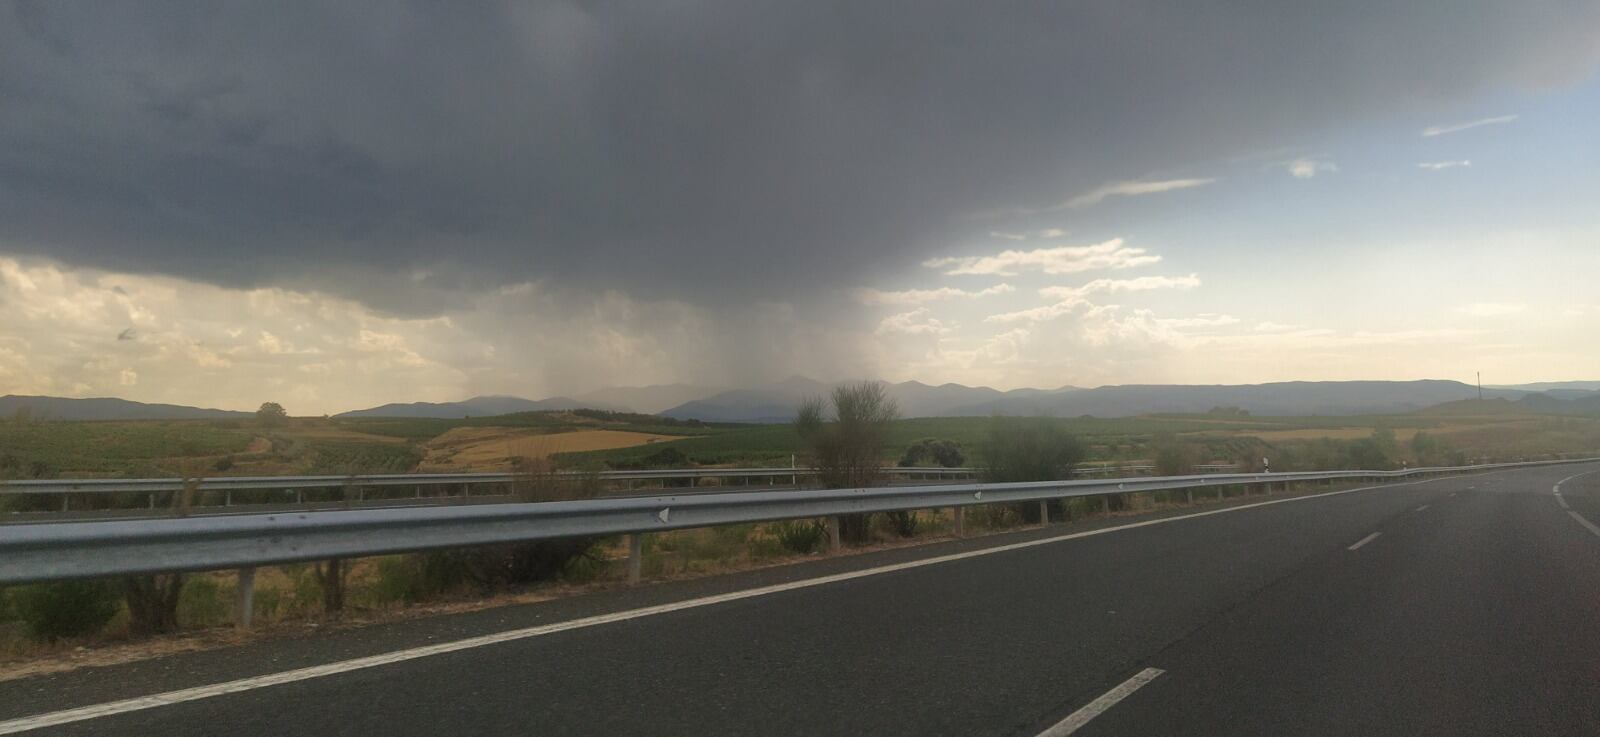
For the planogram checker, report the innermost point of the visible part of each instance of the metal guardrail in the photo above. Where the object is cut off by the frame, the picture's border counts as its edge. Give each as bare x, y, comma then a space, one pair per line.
69, 550
259, 483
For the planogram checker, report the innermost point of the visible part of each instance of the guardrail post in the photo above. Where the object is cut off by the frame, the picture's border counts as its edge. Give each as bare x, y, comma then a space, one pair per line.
1189, 494
1105, 504
635, 556
244, 598
1044, 513
960, 516
833, 535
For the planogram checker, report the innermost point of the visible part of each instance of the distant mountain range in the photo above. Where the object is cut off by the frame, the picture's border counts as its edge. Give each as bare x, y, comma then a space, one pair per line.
486, 406
106, 408
647, 399
777, 402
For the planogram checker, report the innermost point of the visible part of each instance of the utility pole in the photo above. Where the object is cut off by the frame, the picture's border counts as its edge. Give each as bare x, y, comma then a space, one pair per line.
1480, 386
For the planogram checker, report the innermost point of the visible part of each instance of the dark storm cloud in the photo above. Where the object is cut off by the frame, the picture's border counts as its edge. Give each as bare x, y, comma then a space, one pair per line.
691, 149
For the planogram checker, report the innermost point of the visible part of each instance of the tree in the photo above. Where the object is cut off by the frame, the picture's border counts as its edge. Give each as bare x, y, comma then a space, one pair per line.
945, 453
1173, 457
847, 449
271, 413
1029, 449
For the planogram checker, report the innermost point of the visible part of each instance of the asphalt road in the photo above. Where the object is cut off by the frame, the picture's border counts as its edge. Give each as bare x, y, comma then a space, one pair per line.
1461, 606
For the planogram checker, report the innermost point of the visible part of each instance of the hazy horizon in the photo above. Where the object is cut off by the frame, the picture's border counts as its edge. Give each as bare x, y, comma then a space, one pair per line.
230, 205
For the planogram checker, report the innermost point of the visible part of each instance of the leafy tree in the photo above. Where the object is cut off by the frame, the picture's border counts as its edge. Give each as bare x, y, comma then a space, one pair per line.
1430, 450
945, 453
847, 449
1029, 449
1173, 457
271, 413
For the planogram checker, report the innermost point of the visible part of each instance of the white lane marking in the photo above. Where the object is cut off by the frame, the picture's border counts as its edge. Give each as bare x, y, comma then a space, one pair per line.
1562, 500
1419, 509
140, 703
1077, 719
1364, 541
1584, 522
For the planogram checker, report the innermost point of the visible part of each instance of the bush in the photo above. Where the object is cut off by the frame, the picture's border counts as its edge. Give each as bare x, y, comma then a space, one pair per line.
1029, 449
799, 536
65, 609
902, 523
946, 453
201, 604
847, 449
1173, 457
152, 602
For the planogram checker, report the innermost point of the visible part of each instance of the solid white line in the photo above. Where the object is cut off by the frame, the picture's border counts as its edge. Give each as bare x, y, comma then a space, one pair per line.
1077, 719
1364, 540
1562, 500
1419, 509
95, 711
1584, 522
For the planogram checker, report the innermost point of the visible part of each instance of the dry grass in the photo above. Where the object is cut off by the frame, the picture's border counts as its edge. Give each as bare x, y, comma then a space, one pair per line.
497, 448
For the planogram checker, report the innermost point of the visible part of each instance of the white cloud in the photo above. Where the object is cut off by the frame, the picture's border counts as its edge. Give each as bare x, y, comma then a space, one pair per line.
1437, 165
915, 322
1008, 236
1052, 233
1269, 326
1110, 254
1137, 284
1306, 168
1069, 299
920, 296
1202, 320
1439, 130
1131, 189
1493, 309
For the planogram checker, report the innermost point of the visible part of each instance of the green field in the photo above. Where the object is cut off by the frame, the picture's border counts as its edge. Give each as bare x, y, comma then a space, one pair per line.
45, 449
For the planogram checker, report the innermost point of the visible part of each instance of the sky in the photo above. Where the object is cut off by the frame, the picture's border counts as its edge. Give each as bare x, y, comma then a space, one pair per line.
221, 204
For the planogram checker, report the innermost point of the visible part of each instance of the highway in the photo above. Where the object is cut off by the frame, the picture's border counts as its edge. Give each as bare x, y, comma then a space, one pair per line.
1455, 606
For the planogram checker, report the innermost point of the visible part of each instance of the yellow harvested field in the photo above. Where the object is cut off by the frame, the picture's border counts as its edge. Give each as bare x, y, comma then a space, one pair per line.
497, 448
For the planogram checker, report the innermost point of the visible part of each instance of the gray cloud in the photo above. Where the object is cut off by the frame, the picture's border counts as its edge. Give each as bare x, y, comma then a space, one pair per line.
409, 154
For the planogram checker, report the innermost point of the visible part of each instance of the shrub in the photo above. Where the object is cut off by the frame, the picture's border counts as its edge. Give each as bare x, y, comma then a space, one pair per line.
902, 523
202, 604
847, 450
1029, 449
65, 609
799, 536
946, 453
152, 602
1173, 457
